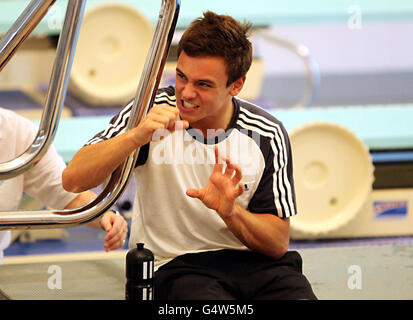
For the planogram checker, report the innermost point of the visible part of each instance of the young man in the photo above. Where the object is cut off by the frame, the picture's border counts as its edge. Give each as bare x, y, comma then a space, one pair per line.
213, 177
44, 182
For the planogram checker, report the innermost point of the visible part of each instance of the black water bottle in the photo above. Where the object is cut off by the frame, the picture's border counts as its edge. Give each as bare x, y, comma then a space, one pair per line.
139, 274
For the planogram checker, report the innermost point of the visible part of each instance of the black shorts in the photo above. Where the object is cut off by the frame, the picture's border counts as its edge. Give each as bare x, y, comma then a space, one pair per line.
232, 274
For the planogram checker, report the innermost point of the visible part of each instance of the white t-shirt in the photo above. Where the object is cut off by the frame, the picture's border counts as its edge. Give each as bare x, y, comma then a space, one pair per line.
42, 182
169, 222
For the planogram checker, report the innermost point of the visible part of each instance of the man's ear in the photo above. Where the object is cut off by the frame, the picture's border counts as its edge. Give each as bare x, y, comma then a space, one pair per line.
237, 86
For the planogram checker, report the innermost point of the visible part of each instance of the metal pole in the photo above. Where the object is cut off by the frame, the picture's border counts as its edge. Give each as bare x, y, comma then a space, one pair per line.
147, 88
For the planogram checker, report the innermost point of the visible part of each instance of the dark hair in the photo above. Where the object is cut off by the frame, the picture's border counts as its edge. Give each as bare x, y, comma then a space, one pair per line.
222, 36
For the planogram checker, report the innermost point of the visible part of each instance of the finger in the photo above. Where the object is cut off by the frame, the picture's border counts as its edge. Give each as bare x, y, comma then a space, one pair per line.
109, 246
105, 223
238, 175
229, 171
163, 119
193, 193
161, 111
219, 163
108, 226
115, 244
240, 189
181, 125
116, 241
169, 108
165, 109
172, 113
110, 233
151, 125
116, 236
117, 225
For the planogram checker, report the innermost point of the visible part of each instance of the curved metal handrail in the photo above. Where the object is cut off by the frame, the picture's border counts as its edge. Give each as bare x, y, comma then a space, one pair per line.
22, 28
312, 68
146, 93
59, 81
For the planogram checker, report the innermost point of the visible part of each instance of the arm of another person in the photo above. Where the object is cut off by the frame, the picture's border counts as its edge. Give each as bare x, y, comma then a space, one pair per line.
92, 164
43, 182
265, 233
115, 225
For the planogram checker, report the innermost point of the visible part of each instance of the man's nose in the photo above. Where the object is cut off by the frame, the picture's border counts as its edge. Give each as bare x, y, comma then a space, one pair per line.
189, 91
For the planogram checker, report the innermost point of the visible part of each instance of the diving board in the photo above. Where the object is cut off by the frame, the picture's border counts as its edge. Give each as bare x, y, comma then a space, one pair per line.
379, 126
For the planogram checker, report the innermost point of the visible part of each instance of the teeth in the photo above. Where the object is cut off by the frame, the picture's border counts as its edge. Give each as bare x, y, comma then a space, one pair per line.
189, 105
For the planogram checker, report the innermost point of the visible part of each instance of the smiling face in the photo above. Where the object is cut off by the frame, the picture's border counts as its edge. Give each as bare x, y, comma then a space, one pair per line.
202, 95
